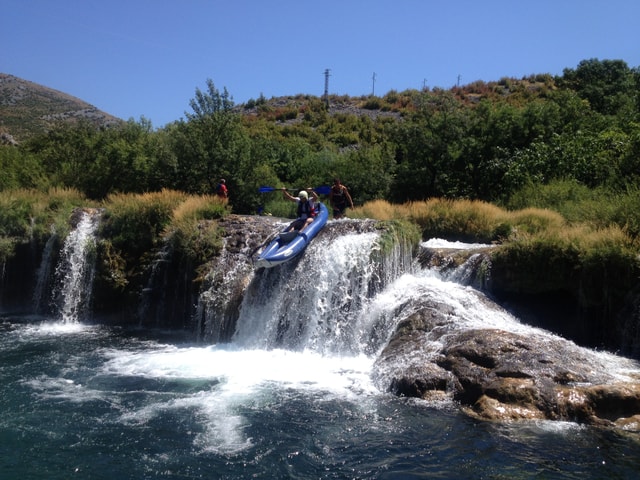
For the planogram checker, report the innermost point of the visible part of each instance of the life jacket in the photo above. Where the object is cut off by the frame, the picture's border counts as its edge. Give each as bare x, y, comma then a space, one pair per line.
306, 209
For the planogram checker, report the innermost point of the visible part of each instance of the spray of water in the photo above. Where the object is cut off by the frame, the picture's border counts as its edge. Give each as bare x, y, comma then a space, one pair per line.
314, 302
75, 271
312, 327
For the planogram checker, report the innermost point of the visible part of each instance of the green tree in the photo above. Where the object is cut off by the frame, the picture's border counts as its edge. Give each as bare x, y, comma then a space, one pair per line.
20, 169
427, 145
99, 161
608, 85
211, 144
368, 172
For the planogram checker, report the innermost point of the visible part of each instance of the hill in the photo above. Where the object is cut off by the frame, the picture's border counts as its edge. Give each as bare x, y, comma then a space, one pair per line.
27, 108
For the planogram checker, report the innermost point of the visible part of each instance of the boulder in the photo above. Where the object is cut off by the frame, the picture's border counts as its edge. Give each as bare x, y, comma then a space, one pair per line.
503, 375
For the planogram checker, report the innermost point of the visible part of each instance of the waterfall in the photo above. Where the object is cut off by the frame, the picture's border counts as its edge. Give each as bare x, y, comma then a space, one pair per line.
153, 296
43, 274
314, 302
75, 270
224, 286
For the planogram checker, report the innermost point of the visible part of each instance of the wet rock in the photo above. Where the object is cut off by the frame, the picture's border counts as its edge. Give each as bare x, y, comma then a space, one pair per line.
503, 375
631, 424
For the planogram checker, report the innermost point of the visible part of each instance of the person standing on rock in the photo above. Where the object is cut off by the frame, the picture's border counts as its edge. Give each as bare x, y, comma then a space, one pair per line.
221, 189
339, 198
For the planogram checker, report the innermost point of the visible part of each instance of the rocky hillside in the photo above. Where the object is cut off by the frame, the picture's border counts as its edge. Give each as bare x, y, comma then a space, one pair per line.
27, 108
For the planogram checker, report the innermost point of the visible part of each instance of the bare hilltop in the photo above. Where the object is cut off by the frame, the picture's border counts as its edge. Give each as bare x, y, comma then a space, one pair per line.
27, 108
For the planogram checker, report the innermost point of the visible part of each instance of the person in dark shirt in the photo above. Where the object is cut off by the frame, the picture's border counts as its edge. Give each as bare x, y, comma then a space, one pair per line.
339, 198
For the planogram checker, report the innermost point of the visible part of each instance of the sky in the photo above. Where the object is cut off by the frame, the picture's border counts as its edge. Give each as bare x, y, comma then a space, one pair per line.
146, 58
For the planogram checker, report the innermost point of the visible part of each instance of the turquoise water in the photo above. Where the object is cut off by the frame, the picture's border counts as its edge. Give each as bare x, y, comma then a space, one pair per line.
95, 402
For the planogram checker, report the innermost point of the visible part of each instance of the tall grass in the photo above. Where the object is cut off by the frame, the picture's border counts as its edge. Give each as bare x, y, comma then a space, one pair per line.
32, 214
194, 237
468, 220
134, 222
600, 207
463, 220
136, 225
202, 207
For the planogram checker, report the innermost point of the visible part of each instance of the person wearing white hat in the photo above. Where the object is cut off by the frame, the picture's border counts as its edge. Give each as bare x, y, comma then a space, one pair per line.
307, 209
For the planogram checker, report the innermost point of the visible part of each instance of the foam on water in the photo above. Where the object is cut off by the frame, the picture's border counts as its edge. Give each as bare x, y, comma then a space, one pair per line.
59, 388
441, 243
237, 378
471, 309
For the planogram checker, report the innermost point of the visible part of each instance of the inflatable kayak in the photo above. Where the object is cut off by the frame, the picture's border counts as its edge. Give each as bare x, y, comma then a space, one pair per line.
288, 245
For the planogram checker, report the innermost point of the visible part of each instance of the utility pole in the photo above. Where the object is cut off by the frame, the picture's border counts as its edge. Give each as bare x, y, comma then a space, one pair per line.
373, 89
458, 80
327, 74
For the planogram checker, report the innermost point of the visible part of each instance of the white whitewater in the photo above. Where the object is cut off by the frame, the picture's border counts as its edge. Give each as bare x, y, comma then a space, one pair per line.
75, 271
311, 329
313, 303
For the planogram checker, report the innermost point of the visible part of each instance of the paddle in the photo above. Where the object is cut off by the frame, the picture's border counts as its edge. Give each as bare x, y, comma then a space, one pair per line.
322, 190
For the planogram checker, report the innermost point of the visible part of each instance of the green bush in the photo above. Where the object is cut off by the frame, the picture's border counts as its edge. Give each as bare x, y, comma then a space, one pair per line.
599, 207
135, 223
7, 246
31, 214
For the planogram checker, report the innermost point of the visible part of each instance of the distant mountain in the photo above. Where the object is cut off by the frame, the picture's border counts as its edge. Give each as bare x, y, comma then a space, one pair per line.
27, 108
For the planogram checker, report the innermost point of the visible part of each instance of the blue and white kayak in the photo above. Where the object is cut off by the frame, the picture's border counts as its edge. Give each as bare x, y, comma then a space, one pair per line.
288, 245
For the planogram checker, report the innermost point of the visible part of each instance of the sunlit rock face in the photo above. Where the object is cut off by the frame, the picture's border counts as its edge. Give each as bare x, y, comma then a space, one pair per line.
505, 375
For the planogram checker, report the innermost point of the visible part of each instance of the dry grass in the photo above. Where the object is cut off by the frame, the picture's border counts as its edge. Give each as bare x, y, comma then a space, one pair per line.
379, 210
481, 221
168, 199
459, 219
200, 207
533, 221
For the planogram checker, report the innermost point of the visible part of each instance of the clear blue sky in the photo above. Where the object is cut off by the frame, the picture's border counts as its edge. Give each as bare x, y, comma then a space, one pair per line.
147, 57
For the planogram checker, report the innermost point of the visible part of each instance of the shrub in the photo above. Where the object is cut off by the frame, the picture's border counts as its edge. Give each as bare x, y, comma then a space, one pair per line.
205, 207
536, 220
32, 214
7, 246
192, 233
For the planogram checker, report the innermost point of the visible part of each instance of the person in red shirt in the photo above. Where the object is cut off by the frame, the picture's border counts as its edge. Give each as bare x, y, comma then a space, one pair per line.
221, 189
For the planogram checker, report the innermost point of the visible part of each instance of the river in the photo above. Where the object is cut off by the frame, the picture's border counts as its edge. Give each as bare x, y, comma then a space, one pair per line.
291, 395
86, 401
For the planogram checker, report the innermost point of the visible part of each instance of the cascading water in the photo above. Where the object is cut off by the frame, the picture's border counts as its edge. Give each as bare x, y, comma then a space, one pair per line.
75, 271
42, 275
292, 394
312, 303
225, 283
315, 302
153, 298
